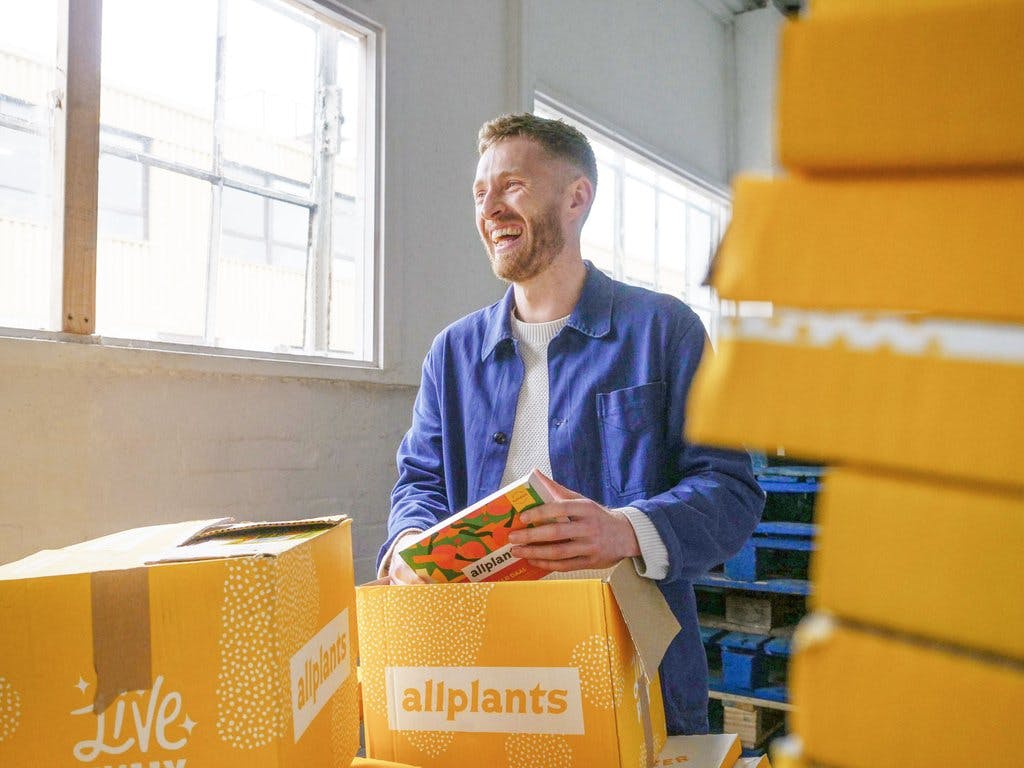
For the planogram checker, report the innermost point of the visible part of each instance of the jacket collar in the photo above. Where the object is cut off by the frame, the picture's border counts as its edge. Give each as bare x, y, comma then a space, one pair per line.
592, 314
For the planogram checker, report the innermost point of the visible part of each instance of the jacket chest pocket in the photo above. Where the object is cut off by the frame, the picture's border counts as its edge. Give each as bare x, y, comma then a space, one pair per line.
632, 425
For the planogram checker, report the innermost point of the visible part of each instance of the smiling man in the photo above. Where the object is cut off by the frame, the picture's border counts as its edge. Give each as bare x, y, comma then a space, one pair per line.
586, 378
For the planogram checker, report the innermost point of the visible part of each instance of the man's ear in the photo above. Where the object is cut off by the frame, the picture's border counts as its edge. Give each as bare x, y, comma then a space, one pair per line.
581, 196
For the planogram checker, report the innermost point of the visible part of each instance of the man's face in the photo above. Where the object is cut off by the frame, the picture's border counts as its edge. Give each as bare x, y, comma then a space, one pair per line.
520, 199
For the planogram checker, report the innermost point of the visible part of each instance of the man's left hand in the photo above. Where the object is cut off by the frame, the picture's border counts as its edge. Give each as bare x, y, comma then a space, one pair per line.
573, 533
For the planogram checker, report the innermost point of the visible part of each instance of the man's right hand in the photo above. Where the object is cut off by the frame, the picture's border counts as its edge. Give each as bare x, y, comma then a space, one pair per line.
399, 571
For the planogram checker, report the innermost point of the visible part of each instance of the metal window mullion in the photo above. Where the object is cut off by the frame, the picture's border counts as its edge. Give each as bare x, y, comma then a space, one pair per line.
155, 161
76, 137
217, 190
318, 254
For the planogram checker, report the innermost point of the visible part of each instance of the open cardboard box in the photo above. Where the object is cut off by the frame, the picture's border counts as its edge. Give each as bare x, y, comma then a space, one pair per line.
198, 643
554, 672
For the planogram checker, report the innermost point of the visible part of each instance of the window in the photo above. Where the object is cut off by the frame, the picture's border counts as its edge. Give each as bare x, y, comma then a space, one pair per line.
236, 204
650, 225
27, 72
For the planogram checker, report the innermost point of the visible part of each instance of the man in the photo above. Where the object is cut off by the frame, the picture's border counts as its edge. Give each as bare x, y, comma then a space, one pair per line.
585, 378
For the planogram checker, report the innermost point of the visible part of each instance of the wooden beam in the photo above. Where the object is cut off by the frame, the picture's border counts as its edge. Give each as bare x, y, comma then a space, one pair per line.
80, 136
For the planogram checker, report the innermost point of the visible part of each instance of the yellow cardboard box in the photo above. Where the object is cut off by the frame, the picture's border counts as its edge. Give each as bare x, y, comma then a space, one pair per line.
915, 241
865, 699
552, 673
865, 401
954, 552
820, 9
717, 750
182, 646
888, 90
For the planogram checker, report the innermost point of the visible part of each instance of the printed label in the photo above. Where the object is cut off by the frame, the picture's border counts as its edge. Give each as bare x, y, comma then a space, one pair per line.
490, 565
318, 670
136, 723
485, 699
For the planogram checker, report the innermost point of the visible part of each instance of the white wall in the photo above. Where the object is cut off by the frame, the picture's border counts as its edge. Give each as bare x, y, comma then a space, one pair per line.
757, 48
652, 70
94, 439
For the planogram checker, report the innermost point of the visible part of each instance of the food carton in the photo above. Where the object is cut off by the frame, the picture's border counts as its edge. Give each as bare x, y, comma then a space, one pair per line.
553, 673
718, 750
473, 544
200, 643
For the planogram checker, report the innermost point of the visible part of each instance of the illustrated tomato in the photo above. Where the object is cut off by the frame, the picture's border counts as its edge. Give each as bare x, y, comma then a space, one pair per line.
443, 554
472, 550
498, 536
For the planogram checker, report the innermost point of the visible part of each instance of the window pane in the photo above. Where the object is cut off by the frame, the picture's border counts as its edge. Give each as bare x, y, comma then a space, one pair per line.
598, 237
243, 213
156, 289
638, 232
159, 74
28, 45
348, 287
262, 305
351, 295
269, 88
671, 245
698, 255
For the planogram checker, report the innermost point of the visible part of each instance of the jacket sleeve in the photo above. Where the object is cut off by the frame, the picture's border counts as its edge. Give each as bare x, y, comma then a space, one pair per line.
715, 503
419, 498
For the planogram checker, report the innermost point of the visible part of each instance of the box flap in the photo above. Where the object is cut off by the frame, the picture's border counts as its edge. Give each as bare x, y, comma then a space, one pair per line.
716, 750
650, 621
246, 539
118, 551
175, 542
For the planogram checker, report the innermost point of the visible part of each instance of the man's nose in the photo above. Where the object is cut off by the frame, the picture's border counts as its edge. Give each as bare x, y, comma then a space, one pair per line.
492, 204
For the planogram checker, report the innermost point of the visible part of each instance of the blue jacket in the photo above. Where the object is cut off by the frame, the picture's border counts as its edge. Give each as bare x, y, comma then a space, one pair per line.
619, 374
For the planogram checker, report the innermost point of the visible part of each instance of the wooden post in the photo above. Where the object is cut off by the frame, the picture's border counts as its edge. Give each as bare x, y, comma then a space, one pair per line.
79, 134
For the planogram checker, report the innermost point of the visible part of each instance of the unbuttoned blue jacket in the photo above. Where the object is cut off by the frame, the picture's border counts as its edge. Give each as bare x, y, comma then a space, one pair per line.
619, 375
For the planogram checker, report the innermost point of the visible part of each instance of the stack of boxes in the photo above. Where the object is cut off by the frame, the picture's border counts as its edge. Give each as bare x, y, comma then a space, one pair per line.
892, 253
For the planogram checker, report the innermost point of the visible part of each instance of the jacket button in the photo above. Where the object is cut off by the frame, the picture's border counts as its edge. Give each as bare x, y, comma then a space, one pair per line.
500, 438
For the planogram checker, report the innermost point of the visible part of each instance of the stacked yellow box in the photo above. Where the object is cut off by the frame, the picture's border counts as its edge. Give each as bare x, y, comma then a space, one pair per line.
892, 253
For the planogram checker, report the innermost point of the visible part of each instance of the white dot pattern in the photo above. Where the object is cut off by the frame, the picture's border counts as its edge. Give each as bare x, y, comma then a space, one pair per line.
248, 675
538, 750
344, 724
298, 612
600, 666
418, 626
10, 709
433, 743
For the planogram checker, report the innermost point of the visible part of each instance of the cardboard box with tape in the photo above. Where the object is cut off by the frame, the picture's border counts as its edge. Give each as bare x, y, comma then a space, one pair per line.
200, 643
557, 672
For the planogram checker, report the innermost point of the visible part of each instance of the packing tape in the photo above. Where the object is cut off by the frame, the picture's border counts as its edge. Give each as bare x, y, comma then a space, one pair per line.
121, 642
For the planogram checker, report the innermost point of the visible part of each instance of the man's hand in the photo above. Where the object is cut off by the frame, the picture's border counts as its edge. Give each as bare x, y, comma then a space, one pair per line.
399, 571
573, 533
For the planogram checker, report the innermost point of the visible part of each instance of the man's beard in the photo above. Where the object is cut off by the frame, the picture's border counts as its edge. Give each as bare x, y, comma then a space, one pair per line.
528, 261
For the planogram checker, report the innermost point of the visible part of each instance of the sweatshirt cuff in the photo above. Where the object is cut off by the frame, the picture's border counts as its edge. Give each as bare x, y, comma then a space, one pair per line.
385, 563
653, 560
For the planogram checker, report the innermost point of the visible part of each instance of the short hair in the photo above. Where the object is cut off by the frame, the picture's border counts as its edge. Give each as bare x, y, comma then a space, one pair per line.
557, 137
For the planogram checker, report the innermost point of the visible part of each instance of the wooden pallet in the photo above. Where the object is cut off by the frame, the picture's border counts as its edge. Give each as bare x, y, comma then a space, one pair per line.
754, 724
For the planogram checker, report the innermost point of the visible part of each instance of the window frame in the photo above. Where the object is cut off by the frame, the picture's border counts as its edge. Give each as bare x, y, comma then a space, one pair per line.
76, 145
